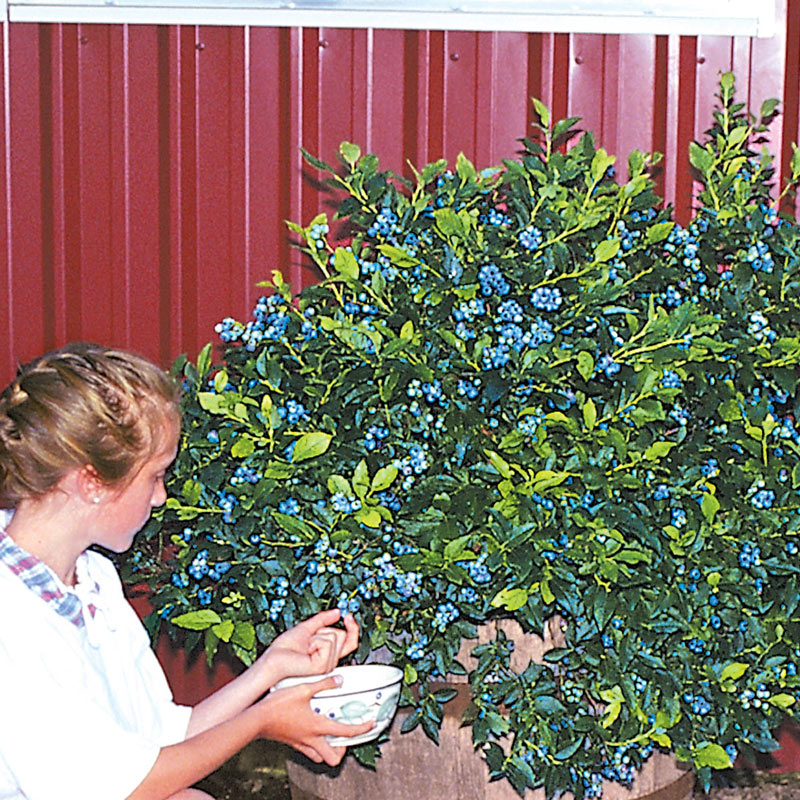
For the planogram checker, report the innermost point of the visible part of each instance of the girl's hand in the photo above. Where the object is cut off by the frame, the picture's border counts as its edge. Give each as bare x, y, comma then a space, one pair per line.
289, 718
310, 648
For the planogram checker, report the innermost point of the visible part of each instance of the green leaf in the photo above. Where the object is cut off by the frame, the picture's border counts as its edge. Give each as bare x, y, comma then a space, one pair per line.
314, 161
709, 506
711, 755
606, 250
243, 447
244, 634
204, 361
600, 163
542, 111
569, 750
398, 256
310, 445
585, 364
614, 700
220, 381
659, 232
197, 620
510, 599
657, 450
449, 222
781, 700
464, 169
632, 556
368, 516
727, 81
700, 158
383, 478
499, 463
211, 402
457, 548
337, 484
279, 470
293, 525
407, 331
350, 152
223, 630
589, 414
361, 479
795, 161
730, 410
345, 263
733, 671
738, 135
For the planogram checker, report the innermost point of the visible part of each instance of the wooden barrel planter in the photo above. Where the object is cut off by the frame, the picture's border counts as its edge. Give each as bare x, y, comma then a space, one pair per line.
411, 765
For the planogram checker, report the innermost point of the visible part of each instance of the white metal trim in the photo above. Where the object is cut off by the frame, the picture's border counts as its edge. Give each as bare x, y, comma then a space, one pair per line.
750, 19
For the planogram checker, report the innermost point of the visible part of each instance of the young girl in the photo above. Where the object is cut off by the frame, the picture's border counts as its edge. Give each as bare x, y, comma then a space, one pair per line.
86, 435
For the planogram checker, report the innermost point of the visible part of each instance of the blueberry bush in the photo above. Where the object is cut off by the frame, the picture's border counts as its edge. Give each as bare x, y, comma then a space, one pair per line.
520, 392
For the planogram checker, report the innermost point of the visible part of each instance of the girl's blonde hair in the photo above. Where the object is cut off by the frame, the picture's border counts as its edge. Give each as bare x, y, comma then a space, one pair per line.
81, 405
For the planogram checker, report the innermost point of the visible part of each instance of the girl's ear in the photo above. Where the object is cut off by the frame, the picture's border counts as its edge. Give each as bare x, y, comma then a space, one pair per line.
89, 486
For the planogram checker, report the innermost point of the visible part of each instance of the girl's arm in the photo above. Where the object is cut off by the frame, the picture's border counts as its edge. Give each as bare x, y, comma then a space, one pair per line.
284, 716
310, 648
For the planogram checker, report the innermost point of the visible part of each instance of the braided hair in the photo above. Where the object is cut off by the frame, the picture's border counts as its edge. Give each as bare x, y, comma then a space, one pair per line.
80, 405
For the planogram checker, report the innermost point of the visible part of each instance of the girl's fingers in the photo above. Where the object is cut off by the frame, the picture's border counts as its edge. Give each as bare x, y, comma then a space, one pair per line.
308, 752
311, 689
344, 729
331, 755
321, 620
351, 634
323, 650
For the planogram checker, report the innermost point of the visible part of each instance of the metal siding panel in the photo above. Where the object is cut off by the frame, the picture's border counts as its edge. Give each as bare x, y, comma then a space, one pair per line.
637, 97
685, 128
417, 80
5, 208
219, 177
587, 85
184, 197
268, 199
791, 88
388, 77
462, 103
337, 87
22, 281
502, 80
94, 175
436, 97
767, 78
306, 103
139, 181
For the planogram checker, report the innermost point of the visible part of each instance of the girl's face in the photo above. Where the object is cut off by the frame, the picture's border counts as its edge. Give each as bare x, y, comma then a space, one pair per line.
123, 512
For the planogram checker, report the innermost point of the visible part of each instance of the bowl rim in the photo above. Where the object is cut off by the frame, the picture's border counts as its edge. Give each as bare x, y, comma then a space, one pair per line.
340, 691
326, 693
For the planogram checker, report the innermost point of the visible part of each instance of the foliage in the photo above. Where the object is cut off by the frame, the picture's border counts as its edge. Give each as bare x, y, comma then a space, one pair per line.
520, 392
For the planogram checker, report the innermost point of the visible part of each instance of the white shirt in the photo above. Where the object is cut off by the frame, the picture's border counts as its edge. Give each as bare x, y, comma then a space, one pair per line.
84, 710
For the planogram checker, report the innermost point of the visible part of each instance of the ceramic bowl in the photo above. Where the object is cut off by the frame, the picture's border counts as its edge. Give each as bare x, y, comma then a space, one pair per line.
368, 692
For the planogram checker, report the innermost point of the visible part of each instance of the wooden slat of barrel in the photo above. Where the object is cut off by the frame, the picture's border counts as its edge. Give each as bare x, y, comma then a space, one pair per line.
413, 766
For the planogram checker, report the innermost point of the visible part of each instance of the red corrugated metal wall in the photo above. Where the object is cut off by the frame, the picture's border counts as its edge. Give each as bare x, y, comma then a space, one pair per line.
147, 171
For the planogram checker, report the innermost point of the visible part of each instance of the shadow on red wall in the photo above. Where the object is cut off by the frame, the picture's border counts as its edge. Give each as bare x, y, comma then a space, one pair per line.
190, 678
787, 757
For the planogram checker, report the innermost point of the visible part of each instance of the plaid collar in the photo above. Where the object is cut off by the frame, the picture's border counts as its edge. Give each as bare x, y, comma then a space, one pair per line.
41, 580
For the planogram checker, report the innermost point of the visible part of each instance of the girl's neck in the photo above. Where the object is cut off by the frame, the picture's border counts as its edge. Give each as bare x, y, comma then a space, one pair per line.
50, 530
